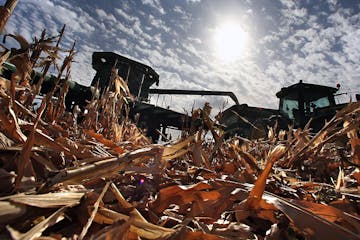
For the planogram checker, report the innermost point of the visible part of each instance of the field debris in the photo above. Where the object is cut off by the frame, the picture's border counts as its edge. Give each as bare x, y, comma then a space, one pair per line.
100, 177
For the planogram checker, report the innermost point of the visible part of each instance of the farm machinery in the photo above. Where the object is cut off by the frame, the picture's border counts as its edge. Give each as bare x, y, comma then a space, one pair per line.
298, 103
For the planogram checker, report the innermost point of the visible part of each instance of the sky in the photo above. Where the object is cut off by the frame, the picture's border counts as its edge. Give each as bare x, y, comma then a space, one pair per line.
249, 47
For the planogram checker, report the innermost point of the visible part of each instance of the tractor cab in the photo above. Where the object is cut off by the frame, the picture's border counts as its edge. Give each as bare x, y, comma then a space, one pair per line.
303, 101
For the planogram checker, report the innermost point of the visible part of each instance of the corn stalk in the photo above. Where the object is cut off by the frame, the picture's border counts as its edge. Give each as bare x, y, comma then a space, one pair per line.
5, 12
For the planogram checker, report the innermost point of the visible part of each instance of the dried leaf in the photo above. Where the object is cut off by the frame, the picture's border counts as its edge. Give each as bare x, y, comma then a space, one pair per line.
138, 226
118, 230
42, 139
5, 141
103, 168
199, 157
11, 126
106, 142
38, 229
75, 148
94, 211
4, 57
171, 150
312, 225
331, 214
10, 211
355, 146
20, 39
260, 183
23, 161
48, 200
181, 195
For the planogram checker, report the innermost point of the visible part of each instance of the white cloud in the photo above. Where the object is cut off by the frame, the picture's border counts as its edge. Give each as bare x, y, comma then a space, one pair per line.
104, 15
154, 4
125, 15
193, 1
158, 23
288, 4
178, 9
195, 40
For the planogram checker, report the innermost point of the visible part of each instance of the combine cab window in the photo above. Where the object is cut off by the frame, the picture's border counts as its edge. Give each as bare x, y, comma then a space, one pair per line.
319, 103
289, 107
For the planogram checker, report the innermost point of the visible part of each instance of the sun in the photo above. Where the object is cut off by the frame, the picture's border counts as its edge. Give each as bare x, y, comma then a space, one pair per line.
230, 41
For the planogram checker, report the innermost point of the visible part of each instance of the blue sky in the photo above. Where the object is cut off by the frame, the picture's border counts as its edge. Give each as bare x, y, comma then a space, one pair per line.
317, 41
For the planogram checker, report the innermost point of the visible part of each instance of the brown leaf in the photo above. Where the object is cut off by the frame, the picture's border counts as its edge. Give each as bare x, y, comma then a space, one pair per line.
121, 87
48, 200
118, 230
5, 141
20, 39
331, 214
250, 159
93, 213
5, 84
9, 122
260, 183
103, 168
76, 149
4, 57
199, 156
99, 137
23, 162
254, 204
179, 195
355, 146
310, 224
38, 229
356, 175
175, 150
138, 226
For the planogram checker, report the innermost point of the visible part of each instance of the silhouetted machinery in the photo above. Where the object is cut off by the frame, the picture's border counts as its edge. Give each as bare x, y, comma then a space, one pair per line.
139, 78
298, 103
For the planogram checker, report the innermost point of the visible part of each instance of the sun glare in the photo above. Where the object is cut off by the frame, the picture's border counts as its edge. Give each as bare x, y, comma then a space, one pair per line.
230, 41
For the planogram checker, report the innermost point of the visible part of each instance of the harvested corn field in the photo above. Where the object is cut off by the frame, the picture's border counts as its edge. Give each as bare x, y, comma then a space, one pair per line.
94, 174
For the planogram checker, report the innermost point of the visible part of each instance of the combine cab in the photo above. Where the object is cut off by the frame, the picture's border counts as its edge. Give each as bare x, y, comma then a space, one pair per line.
138, 76
303, 102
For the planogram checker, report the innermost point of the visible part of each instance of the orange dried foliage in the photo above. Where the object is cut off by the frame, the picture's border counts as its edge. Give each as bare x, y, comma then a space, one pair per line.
9, 124
99, 137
